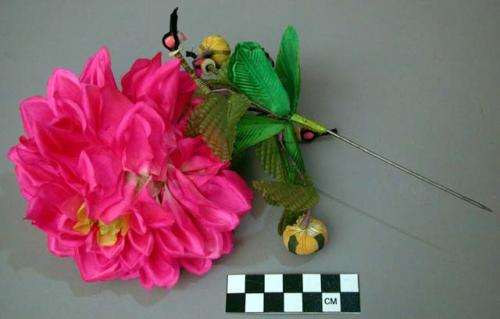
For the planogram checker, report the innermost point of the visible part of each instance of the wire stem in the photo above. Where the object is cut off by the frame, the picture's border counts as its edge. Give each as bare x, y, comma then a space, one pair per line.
409, 171
306, 219
185, 65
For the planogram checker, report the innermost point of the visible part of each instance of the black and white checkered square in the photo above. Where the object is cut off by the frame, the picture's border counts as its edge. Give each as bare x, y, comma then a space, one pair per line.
292, 293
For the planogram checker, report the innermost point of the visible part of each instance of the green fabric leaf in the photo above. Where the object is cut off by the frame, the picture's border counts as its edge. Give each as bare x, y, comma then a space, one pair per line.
288, 65
294, 161
270, 156
288, 218
252, 73
253, 129
293, 197
216, 120
221, 79
222, 75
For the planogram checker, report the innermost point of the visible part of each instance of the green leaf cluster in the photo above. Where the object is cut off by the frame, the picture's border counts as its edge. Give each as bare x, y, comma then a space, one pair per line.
288, 66
216, 120
252, 73
221, 79
253, 129
274, 140
223, 122
294, 197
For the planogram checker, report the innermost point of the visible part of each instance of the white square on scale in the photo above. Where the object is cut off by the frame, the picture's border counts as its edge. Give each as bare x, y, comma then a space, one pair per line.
292, 302
331, 301
273, 283
235, 284
349, 283
254, 302
311, 282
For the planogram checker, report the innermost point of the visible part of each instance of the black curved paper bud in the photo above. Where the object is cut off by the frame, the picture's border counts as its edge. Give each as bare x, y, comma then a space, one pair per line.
171, 40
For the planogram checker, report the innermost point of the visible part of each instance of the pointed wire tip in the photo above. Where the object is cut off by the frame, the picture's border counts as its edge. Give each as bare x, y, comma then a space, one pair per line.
487, 209
409, 171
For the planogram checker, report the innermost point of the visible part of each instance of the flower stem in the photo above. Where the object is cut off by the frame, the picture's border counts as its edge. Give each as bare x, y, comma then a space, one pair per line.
185, 65
290, 159
306, 219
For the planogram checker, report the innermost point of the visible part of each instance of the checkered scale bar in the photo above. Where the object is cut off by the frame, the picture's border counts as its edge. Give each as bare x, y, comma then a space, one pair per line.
292, 293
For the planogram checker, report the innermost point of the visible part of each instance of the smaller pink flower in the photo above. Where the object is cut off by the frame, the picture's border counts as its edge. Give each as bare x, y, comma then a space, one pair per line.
112, 179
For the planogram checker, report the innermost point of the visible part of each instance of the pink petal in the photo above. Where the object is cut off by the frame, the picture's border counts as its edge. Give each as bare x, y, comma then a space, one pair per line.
131, 258
97, 70
137, 224
230, 191
59, 249
43, 210
132, 81
59, 144
142, 243
197, 266
86, 170
32, 169
114, 251
93, 267
160, 270
228, 242
200, 207
133, 137
109, 204
63, 84
35, 109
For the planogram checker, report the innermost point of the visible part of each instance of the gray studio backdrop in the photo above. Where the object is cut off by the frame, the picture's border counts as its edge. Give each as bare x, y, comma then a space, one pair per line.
418, 81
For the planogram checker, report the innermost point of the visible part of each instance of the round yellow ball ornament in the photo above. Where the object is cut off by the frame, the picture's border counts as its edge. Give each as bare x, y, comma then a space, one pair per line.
306, 236
216, 48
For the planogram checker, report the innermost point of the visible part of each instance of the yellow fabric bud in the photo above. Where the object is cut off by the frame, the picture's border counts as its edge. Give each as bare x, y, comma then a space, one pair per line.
305, 240
214, 47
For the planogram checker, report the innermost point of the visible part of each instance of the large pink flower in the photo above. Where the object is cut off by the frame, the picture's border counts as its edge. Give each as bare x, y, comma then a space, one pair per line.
111, 178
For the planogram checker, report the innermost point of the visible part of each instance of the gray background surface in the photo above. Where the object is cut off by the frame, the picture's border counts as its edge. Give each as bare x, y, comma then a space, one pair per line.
418, 81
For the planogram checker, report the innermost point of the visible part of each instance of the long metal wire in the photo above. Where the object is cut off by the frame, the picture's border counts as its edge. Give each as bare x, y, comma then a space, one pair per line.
409, 171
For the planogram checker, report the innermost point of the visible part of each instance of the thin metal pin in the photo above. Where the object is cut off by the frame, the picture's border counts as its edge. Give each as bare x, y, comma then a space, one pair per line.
409, 171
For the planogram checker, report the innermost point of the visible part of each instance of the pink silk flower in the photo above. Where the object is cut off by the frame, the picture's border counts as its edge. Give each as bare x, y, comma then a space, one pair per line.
113, 180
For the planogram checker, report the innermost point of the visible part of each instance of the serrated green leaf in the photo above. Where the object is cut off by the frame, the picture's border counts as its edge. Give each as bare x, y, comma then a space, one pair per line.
252, 73
270, 156
221, 79
293, 197
253, 129
216, 120
288, 65
294, 163
222, 74
288, 218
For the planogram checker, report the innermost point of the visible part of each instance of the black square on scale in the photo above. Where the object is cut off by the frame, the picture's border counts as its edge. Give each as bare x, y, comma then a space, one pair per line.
312, 302
235, 303
349, 302
274, 302
254, 283
330, 283
292, 283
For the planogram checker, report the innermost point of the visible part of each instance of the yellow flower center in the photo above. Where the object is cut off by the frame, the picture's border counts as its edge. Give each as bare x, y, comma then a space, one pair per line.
107, 234
83, 222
